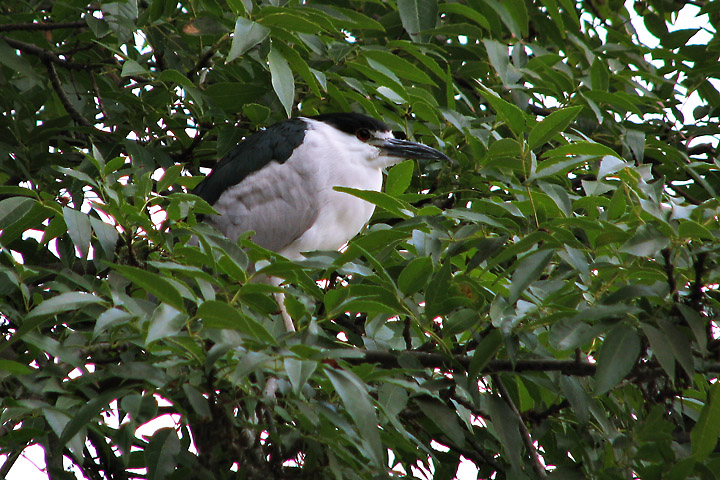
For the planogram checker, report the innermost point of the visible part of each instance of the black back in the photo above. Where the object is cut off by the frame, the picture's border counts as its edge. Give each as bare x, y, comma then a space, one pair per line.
352, 122
277, 142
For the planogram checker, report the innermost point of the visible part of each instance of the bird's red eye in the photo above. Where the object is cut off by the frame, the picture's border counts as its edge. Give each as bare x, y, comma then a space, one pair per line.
363, 134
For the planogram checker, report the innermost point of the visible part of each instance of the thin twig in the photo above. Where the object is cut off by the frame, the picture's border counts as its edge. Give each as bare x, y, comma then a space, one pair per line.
670, 274
9, 462
100, 103
69, 107
524, 433
204, 60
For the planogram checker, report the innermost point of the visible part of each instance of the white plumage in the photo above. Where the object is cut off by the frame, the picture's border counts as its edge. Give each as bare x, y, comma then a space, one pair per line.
279, 182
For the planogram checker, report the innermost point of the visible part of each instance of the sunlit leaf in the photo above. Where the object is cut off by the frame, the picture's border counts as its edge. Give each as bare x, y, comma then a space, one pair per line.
247, 34
283, 81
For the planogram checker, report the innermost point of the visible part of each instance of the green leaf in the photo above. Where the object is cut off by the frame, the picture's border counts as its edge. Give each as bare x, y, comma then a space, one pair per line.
500, 60
399, 178
358, 403
661, 348
579, 400
393, 398
445, 419
13, 208
381, 199
18, 214
553, 124
153, 283
220, 315
11, 191
169, 177
110, 318
79, 229
506, 428
247, 34
690, 229
415, 275
38, 316
161, 454
282, 78
399, 66
106, 235
610, 165
417, 16
63, 303
679, 345
198, 402
508, 113
573, 333
485, 351
355, 18
581, 148
87, 413
298, 64
467, 12
647, 241
299, 372
616, 357
704, 435
165, 322
17, 63
436, 293
599, 75
14, 368
132, 68
528, 270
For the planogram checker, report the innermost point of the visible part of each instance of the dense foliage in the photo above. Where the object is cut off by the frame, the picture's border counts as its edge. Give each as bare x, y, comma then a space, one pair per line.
544, 306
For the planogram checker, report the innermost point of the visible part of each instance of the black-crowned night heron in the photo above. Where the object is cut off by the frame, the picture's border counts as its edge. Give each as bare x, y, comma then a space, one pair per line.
279, 182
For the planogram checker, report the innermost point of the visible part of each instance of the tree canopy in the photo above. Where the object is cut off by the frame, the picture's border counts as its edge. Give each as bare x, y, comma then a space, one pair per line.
544, 306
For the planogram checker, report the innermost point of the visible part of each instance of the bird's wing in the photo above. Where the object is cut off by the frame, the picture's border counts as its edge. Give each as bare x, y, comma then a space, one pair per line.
276, 143
279, 202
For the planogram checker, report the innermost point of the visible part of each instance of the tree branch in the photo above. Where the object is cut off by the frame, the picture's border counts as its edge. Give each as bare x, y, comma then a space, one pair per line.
47, 55
30, 27
701, 149
426, 359
69, 107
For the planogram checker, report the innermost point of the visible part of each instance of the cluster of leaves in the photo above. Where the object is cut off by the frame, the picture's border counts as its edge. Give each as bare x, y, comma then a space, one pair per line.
544, 306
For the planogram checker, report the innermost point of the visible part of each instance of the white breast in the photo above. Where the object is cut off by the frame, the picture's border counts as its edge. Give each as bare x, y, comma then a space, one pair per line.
341, 216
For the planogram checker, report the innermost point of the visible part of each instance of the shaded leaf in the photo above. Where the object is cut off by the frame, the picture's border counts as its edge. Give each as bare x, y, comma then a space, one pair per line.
153, 283
704, 435
216, 314
415, 275
355, 397
528, 270
616, 357
417, 16
553, 124
161, 453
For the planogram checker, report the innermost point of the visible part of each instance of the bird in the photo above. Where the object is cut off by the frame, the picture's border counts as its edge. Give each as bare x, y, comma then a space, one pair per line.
279, 183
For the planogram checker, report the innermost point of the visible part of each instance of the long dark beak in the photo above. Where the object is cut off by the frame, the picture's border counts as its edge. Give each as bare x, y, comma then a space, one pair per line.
393, 147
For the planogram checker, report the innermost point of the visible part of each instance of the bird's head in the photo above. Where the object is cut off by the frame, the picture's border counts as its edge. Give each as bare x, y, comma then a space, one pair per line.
374, 140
